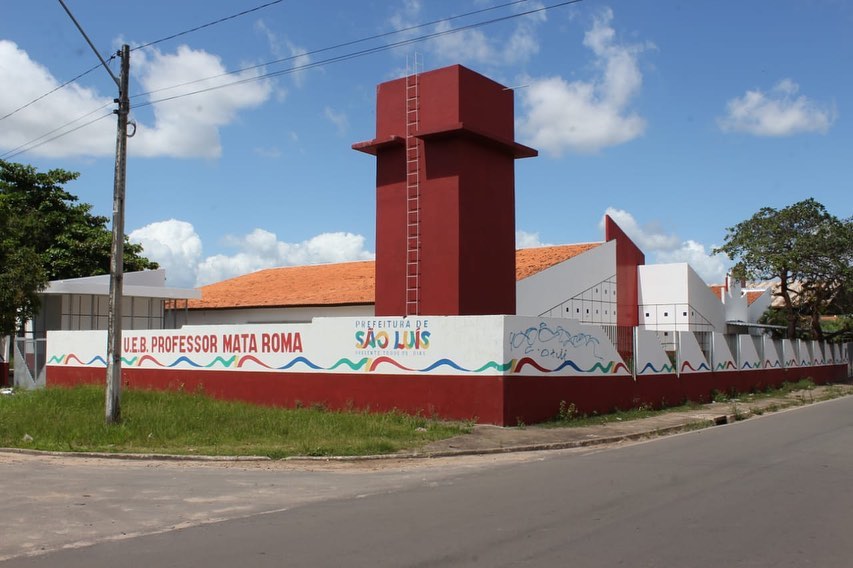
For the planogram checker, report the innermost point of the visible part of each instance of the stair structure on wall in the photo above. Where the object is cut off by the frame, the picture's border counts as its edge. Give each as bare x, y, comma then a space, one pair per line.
413, 187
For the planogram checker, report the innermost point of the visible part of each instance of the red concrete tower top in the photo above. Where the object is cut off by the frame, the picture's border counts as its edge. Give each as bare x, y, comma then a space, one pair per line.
445, 194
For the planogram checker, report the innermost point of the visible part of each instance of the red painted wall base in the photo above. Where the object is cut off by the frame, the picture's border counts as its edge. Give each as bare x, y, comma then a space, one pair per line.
489, 399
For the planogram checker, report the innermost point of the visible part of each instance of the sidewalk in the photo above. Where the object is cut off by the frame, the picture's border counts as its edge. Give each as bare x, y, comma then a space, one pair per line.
486, 439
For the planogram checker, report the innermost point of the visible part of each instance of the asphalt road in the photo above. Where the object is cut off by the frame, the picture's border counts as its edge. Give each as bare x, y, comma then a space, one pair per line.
773, 491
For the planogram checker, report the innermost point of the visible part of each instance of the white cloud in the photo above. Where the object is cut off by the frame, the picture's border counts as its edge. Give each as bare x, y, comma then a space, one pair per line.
188, 127
586, 116
32, 80
338, 119
711, 267
523, 240
665, 247
780, 112
262, 249
175, 246
473, 46
648, 238
286, 49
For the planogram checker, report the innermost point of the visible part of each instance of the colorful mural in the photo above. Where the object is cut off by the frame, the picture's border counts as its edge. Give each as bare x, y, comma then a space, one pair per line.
392, 345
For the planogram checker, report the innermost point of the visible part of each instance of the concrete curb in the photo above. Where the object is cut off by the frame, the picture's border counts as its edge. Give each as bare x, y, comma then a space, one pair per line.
137, 457
570, 444
689, 424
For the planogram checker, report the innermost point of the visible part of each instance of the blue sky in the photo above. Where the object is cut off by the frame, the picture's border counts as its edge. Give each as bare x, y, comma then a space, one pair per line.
678, 118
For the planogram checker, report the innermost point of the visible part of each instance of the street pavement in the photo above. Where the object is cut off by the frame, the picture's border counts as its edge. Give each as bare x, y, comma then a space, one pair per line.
58, 501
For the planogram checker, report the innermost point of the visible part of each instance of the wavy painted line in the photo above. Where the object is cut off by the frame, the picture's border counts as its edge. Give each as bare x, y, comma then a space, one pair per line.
183, 359
528, 361
246, 358
223, 361
611, 367
349, 363
748, 365
665, 368
145, 358
775, 364
726, 365
500, 367
448, 363
130, 361
379, 360
620, 366
302, 360
55, 359
702, 367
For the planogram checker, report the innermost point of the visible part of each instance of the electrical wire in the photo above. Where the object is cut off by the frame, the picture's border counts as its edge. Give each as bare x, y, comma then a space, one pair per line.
336, 59
179, 34
27, 145
207, 25
63, 85
345, 57
333, 47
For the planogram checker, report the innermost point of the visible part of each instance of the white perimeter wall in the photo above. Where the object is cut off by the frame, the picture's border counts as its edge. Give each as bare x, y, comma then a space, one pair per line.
673, 297
582, 288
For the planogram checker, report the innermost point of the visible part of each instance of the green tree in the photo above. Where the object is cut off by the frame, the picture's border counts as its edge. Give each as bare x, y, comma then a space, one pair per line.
808, 250
50, 234
21, 274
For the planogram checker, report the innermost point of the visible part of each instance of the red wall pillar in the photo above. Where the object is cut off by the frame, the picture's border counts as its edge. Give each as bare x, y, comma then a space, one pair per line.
466, 153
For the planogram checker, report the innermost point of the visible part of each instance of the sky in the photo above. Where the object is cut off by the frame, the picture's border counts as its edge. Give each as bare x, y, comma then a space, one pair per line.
678, 119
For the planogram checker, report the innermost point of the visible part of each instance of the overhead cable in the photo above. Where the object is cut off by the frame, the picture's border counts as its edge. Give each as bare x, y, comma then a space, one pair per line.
348, 56
207, 25
337, 46
63, 85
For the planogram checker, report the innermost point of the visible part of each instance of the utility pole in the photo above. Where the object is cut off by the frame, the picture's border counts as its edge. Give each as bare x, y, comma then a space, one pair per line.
113, 397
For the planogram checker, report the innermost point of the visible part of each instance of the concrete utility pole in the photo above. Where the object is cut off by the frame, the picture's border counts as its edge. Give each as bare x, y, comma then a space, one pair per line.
113, 402
113, 397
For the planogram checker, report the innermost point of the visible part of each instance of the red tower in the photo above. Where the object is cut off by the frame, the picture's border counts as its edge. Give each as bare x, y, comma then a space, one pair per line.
445, 194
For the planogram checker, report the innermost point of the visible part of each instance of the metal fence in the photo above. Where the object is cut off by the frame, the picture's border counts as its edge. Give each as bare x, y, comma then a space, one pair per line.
30, 362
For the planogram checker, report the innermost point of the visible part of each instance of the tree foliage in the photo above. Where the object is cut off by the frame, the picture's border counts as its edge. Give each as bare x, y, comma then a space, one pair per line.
808, 250
47, 234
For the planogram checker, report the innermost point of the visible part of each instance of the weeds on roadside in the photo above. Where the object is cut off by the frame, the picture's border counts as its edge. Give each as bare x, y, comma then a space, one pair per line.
193, 423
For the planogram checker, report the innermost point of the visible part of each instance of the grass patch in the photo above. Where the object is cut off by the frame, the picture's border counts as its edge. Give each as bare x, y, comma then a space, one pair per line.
799, 392
72, 419
568, 415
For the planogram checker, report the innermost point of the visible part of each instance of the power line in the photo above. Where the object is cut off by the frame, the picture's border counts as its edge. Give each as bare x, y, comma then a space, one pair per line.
185, 32
9, 154
207, 25
335, 59
345, 57
337, 46
63, 85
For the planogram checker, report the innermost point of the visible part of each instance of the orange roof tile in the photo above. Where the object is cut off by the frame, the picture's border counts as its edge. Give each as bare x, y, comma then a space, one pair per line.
345, 283
532, 260
717, 290
753, 295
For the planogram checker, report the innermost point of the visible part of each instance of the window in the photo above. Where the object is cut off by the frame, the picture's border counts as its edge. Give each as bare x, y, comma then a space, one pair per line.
567, 309
666, 314
647, 314
684, 314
